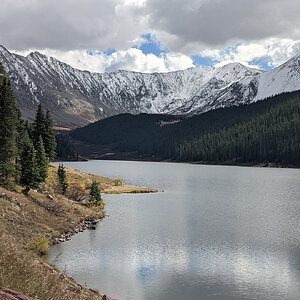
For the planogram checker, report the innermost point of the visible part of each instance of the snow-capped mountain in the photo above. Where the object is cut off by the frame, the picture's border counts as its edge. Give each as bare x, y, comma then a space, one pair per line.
77, 97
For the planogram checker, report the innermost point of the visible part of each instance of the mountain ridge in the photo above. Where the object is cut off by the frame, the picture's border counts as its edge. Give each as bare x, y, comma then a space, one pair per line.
76, 97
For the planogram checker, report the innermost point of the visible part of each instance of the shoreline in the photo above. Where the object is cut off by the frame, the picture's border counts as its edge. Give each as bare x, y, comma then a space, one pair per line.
228, 163
46, 213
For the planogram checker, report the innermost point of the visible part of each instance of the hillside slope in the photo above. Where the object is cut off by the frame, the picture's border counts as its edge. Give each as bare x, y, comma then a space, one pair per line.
160, 137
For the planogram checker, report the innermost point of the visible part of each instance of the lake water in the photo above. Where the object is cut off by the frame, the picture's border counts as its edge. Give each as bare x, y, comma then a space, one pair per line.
216, 232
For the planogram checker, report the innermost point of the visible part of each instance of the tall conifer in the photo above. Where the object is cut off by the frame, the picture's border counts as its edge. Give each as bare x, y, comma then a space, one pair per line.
29, 168
42, 126
42, 161
38, 125
8, 132
49, 137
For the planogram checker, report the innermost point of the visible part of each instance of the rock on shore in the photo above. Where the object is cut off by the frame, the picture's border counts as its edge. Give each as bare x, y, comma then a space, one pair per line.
7, 294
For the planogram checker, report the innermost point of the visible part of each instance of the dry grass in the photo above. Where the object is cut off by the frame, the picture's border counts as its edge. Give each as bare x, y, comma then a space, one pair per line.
45, 213
22, 220
107, 185
21, 271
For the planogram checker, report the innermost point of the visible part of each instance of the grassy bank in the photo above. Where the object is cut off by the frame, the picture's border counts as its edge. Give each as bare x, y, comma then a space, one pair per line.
48, 214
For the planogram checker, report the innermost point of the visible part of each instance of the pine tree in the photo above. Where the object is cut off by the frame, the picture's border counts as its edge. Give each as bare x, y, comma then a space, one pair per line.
8, 132
95, 195
43, 126
38, 125
29, 168
22, 127
62, 177
49, 137
42, 161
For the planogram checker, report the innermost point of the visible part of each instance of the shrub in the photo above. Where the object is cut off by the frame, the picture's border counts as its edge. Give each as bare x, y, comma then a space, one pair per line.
95, 196
62, 177
77, 192
40, 245
118, 181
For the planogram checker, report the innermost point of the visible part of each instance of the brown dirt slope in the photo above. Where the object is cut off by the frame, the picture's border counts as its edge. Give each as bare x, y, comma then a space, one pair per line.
49, 214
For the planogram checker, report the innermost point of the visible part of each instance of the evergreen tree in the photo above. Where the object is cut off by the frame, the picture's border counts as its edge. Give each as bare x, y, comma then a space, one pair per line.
95, 195
22, 127
49, 137
38, 125
43, 126
8, 131
42, 161
29, 168
62, 177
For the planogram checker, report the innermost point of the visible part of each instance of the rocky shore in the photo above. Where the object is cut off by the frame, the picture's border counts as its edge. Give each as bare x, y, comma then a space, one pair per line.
48, 216
87, 223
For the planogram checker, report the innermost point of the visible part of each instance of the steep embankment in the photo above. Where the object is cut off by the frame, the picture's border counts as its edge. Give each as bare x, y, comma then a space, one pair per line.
46, 213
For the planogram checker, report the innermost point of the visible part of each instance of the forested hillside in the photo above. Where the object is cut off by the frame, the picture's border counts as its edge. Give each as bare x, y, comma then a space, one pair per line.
273, 136
266, 131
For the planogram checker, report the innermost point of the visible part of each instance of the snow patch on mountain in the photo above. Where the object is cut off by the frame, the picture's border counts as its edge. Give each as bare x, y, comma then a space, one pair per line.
77, 97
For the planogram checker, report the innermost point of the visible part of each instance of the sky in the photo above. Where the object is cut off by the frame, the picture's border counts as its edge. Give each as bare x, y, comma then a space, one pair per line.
153, 35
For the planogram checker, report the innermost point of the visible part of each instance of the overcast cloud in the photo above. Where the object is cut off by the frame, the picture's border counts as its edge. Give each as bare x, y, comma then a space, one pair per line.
252, 29
189, 25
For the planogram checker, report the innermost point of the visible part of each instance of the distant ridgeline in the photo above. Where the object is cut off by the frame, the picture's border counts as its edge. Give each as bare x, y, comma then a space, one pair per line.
266, 131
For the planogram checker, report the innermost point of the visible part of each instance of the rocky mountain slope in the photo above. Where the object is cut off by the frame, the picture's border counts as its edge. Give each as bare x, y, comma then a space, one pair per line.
77, 97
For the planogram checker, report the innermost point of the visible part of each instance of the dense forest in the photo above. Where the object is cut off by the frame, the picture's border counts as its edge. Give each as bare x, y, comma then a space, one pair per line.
273, 136
25, 149
266, 131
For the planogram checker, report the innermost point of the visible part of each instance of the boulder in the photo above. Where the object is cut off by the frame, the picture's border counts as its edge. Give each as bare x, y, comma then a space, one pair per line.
105, 297
7, 294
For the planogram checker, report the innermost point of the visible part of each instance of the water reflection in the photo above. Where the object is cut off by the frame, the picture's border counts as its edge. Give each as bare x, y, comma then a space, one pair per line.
215, 233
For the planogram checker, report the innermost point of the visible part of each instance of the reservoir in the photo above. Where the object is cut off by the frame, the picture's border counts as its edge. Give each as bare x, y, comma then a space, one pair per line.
211, 232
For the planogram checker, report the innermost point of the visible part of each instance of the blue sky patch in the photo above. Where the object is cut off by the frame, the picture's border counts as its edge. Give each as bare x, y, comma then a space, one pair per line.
109, 51
202, 61
151, 45
262, 63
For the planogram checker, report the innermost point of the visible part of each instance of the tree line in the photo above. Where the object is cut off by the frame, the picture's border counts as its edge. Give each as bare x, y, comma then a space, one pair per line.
273, 136
265, 131
25, 149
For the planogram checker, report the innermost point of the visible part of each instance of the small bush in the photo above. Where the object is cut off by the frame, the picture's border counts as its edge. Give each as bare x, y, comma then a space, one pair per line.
77, 192
62, 177
40, 245
118, 181
95, 195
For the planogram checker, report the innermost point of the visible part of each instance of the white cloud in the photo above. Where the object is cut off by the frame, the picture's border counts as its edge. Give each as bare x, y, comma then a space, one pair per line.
272, 51
71, 24
185, 26
192, 25
132, 60
268, 29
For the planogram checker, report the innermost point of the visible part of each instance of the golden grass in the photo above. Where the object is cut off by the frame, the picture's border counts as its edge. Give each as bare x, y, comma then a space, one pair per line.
23, 219
20, 270
44, 215
107, 185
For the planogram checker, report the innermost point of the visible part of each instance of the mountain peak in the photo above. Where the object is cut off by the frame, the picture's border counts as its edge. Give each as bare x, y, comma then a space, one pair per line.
78, 97
36, 54
3, 49
238, 66
294, 60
